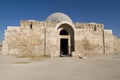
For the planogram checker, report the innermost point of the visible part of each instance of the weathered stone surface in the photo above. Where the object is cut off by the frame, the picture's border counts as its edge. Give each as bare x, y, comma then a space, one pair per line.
33, 38
0, 47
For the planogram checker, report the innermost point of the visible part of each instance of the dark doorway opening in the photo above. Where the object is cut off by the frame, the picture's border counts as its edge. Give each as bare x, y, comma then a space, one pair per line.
64, 47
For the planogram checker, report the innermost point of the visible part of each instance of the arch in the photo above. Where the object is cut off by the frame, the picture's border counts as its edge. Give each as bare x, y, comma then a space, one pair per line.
68, 30
63, 32
65, 22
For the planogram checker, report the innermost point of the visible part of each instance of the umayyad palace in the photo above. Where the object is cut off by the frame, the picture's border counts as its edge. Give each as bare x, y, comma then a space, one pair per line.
58, 35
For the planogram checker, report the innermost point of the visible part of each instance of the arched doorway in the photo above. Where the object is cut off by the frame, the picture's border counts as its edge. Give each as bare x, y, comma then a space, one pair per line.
64, 42
66, 38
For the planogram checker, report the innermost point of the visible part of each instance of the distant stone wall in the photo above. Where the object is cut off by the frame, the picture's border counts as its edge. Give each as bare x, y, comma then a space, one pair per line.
0, 47
116, 45
52, 42
89, 26
88, 42
109, 41
108, 32
89, 38
11, 38
24, 42
35, 24
35, 38
31, 42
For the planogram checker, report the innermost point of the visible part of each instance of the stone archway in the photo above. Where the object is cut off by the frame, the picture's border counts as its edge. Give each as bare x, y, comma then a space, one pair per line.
66, 39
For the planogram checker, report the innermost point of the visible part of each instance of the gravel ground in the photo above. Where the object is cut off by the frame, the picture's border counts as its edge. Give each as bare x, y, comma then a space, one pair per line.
103, 67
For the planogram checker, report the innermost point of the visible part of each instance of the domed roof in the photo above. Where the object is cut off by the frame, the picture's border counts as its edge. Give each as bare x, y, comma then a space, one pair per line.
93, 23
56, 17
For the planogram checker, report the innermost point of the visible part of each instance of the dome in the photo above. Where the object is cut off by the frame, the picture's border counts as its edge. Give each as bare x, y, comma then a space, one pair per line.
93, 23
56, 17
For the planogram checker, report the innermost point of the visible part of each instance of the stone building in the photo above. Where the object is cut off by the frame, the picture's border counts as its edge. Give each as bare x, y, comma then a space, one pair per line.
57, 35
0, 47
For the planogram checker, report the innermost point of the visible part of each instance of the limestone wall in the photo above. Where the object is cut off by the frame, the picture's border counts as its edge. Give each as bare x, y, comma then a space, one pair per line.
24, 42
0, 47
10, 38
25, 24
32, 42
116, 45
88, 42
52, 42
89, 26
38, 38
31, 38
109, 41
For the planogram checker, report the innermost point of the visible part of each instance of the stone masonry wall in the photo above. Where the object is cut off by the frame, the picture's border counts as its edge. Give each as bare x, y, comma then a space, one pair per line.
109, 41
0, 47
39, 38
24, 41
52, 46
116, 45
88, 42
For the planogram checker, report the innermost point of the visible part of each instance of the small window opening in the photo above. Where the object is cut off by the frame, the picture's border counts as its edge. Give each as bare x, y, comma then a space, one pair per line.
31, 25
95, 28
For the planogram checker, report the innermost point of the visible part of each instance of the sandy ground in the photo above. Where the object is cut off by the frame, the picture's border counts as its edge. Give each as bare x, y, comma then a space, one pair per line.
103, 67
